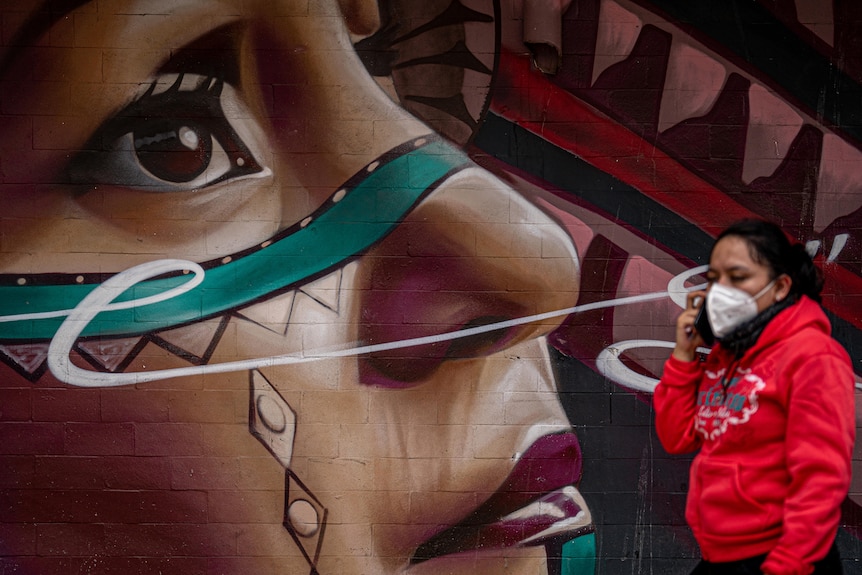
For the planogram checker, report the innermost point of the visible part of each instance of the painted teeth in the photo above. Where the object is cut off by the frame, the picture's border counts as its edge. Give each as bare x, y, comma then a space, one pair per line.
694, 80
543, 507
553, 505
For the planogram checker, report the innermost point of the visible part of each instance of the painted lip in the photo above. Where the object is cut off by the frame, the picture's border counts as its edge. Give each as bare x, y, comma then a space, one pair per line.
536, 504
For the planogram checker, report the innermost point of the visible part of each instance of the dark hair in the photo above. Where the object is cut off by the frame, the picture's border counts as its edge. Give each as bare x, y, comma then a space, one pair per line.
769, 246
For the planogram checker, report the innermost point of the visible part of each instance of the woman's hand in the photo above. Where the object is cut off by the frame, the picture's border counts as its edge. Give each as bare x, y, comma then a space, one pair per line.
687, 338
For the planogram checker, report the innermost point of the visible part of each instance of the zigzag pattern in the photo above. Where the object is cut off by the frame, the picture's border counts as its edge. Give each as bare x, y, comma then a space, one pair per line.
720, 118
193, 344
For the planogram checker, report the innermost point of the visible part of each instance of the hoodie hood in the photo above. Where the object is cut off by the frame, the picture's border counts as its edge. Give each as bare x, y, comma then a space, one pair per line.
804, 314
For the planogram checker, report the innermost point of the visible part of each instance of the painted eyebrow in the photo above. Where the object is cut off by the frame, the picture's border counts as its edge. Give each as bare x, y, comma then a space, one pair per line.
42, 20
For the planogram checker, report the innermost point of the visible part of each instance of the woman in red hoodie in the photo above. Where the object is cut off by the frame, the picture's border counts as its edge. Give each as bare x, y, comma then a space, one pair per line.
770, 409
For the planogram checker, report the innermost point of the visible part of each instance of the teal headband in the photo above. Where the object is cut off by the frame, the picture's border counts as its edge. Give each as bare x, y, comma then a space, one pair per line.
353, 219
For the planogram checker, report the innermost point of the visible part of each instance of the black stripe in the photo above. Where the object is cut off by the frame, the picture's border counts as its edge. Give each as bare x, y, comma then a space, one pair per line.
524, 150
528, 152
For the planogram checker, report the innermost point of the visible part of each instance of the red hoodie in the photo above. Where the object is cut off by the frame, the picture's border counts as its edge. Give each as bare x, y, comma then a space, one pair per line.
775, 455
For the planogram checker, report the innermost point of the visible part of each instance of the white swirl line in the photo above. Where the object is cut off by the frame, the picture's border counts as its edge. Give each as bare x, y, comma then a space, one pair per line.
101, 298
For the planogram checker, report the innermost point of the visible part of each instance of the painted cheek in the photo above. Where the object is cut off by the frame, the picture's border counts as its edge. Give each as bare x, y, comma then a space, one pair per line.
427, 296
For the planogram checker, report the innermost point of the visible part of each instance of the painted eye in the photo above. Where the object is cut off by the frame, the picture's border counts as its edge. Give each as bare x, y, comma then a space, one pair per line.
174, 155
166, 156
174, 140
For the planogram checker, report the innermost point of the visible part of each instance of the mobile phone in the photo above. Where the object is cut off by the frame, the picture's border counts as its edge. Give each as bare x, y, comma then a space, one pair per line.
701, 325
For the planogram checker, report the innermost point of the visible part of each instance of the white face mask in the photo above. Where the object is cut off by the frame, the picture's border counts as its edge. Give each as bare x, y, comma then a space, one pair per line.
728, 307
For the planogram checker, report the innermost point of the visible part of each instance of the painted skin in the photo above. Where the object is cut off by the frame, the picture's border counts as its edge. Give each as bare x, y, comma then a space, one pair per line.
397, 447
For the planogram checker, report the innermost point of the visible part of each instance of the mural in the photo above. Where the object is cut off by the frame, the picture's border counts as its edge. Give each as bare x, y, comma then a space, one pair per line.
384, 286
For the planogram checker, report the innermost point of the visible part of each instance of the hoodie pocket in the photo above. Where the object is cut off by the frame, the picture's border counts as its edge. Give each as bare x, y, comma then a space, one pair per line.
724, 505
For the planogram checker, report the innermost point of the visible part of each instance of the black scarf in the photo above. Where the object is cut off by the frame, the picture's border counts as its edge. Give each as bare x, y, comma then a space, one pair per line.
746, 334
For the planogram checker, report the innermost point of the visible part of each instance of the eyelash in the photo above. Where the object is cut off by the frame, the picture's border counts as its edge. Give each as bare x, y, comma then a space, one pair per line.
176, 140
734, 279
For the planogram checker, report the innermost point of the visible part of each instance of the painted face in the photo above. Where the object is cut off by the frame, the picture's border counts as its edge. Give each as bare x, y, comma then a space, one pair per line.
305, 405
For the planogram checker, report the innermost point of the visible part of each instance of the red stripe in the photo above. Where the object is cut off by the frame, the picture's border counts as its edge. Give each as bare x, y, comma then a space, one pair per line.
528, 99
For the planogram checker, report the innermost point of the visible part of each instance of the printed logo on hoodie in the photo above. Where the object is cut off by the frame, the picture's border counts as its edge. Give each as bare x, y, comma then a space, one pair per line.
717, 408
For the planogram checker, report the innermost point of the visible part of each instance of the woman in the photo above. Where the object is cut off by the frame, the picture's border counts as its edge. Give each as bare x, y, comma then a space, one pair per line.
771, 410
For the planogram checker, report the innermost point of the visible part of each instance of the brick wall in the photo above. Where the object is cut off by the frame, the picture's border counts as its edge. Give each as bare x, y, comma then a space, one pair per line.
373, 254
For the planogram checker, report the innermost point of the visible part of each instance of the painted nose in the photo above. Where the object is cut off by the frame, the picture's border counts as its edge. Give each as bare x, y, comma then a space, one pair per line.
474, 254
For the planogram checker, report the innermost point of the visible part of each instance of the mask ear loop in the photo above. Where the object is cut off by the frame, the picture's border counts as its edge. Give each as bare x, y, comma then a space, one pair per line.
764, 290
779, 298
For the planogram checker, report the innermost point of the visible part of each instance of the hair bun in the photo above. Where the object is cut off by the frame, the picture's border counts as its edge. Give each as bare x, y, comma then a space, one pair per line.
807, 276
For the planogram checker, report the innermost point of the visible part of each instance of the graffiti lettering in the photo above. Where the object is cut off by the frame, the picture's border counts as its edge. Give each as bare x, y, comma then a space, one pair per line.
731, 401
